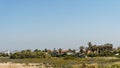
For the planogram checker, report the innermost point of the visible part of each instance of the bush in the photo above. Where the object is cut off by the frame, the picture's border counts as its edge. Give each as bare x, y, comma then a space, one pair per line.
29, 54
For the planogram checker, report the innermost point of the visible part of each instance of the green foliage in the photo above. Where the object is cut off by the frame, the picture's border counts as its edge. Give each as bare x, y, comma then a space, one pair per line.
4, 55
104, 53
30, 54
92, 55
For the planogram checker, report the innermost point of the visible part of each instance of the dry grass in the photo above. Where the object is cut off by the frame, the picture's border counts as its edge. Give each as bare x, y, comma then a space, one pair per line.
96, 62
95, 65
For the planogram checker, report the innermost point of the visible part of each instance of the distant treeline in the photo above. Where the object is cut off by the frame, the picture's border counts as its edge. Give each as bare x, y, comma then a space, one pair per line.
29, 54
83, 52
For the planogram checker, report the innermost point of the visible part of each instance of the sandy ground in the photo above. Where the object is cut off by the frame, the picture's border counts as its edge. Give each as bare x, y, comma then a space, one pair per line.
18, 65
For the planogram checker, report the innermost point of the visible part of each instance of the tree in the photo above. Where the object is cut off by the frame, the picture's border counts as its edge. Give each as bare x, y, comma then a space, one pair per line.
81, 49
89, 44
60, 51
36, 50
69, 49
46, 50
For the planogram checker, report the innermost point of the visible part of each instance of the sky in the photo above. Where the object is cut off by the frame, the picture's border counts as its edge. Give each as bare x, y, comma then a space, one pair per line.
40, 24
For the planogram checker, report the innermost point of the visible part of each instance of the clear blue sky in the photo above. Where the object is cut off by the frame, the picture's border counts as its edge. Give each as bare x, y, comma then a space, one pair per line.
31, 24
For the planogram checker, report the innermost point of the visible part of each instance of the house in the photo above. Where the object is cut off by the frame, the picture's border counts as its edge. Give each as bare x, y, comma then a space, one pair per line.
70, 53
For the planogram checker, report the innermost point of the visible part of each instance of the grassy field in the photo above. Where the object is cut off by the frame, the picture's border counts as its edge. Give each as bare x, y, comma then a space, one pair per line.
96, 62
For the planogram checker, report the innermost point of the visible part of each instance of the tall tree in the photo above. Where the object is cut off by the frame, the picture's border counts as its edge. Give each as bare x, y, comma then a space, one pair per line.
60, 51
89, 44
